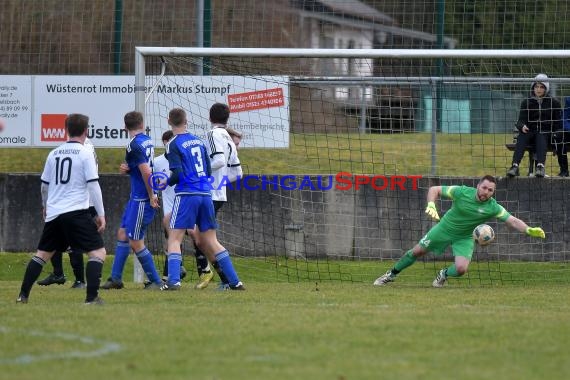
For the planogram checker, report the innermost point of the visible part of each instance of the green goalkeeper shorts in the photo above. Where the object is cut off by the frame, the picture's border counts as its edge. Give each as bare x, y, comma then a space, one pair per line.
437, 241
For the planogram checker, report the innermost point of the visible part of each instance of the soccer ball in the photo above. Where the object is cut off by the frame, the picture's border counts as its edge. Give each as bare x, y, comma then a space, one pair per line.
483, 234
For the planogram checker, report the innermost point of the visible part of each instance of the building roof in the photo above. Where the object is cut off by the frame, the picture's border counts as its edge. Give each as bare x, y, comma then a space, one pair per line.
356, 9
357, 14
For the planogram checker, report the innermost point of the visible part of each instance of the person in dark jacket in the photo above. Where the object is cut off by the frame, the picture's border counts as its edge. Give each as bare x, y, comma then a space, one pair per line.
562, 140
540, 116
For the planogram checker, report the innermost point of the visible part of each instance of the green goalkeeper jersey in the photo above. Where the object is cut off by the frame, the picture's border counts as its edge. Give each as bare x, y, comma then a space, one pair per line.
467, 212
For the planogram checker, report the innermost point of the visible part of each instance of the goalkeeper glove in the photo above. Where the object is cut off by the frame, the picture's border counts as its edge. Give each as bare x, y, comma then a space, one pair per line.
432, 211
536, 232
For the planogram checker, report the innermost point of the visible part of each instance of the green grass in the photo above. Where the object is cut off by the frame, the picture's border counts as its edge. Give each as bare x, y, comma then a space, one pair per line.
280, 330
456, 155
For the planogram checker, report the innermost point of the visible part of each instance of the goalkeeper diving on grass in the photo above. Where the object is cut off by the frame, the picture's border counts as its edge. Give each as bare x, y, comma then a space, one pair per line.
470, 207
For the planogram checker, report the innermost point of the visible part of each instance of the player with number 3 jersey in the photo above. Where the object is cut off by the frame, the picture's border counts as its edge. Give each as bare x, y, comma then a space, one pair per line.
193, 207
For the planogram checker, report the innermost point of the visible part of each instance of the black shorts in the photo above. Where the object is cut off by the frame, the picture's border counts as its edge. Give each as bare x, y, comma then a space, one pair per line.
92, 211
75, 229
218, 205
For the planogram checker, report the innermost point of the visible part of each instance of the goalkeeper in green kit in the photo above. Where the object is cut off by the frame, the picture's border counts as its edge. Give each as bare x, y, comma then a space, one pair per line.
470, 207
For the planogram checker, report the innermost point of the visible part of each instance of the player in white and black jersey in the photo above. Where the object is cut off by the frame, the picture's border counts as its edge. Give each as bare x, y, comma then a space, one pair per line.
69, 181
75, 258
225, 165
161, 165
234, 170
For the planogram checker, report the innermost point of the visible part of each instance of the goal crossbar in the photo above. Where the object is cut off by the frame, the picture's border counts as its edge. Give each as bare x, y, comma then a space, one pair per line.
142, 51
359, 53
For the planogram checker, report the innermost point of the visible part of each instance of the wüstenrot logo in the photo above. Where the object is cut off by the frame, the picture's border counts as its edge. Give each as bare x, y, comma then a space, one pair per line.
53, 127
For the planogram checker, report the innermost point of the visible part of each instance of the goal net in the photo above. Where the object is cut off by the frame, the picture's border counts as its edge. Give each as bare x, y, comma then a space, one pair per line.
340, 146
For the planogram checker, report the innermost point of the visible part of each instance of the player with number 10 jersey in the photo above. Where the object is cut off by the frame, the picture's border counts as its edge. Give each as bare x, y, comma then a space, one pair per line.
68, 170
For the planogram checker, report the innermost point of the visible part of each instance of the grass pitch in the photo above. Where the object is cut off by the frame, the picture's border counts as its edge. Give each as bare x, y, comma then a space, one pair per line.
279, 330
337, 330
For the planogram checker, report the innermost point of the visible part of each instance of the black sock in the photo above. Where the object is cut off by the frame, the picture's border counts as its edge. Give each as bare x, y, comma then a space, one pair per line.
201, 260
76, 261
221, 274
165, 267
93, 271
56, 261
33, 271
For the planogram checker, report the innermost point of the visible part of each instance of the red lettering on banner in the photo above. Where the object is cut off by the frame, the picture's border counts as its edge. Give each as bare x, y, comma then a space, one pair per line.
255, 100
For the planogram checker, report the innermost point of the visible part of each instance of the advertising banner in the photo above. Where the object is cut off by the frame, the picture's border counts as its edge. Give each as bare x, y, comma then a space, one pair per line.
16, 110
34, 107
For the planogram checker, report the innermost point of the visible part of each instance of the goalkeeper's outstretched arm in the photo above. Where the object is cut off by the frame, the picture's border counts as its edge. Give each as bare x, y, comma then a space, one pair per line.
521, 226
434, 193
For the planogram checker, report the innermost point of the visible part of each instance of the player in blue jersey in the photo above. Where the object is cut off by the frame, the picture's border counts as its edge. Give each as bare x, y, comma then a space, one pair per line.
161, 166
139, 210
193, 207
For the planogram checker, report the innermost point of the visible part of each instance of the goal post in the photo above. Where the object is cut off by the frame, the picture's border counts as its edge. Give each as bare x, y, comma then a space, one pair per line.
341, 145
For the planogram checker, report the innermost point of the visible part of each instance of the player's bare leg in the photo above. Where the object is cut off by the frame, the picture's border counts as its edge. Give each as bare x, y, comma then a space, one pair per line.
457, 269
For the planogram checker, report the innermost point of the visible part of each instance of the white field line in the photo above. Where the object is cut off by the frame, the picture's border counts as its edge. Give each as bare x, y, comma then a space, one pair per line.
100, 347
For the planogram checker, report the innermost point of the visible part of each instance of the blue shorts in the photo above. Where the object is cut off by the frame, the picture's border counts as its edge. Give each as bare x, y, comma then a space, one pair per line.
136, 218
191, 210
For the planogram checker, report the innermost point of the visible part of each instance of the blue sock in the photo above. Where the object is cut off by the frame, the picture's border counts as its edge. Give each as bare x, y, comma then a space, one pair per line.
174, 261
147, 263
225, 263
121, 254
